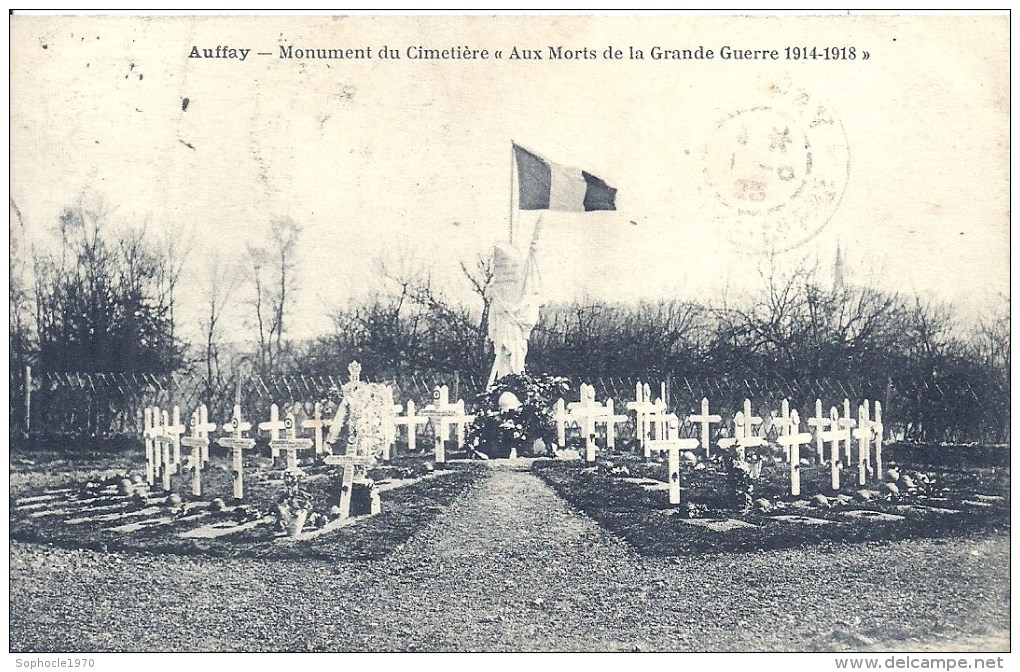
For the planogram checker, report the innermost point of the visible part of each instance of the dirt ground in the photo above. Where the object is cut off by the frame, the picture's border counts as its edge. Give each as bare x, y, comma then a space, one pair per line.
511, 567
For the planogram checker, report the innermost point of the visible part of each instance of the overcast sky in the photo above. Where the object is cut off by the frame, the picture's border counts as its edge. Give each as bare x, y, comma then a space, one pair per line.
376, 158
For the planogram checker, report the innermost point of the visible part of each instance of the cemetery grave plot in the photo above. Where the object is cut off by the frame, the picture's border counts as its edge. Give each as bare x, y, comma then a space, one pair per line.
627, 494
50, 503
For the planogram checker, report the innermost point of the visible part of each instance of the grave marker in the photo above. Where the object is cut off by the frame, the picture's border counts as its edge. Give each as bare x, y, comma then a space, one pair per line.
585, 411
196, 440
705, 420
316, 423
792, 441
643, 408
820, 423
273, 426
672, 446
348, 464
205, 427
164, 445
611, 419
879, 433
848, 423
149, 435
410, 421
175, 430
441, 415
561, 417
834, 436
237, 443
863, 435
290, 444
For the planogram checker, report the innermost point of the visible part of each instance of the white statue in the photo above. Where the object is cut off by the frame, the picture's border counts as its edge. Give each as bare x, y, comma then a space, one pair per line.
513, 312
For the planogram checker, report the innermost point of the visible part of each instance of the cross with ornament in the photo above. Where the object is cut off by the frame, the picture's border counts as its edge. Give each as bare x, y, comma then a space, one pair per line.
236, 442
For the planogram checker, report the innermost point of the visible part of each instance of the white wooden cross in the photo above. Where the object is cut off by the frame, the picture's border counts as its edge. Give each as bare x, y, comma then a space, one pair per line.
441, 415
847, 422
196, 440
864, 433
273, 426
705, 420
290, 444
411, 421
792, 441
316, 423
585, 411
204, 426
561, 417
348, 464
783, 424
642, 407
820, 423
611, 419
149, 434
164, 448
879, 434
237, 443
834, 436
672, 446
743, 431
175, 429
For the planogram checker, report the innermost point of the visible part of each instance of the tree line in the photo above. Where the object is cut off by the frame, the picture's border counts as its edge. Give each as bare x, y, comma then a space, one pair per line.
104, 299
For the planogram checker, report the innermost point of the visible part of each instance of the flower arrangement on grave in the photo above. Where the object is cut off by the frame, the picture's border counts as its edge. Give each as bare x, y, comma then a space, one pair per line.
514, 413
294, 509
739, 478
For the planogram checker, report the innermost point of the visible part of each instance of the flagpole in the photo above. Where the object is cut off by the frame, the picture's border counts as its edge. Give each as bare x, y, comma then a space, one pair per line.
512, 162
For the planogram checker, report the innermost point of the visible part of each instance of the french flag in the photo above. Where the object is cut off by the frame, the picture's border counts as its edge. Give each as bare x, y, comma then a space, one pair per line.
544, 185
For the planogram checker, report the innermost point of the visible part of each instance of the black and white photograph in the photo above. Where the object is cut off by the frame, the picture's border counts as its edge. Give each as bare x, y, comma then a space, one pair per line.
679, 332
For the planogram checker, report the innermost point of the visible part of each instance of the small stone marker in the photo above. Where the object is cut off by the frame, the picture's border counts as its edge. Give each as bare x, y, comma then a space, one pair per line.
803, 520
290, 444
866, 514
673, 446
716, 524
834, 436
792, 441
706, 420
236, 444
410, 421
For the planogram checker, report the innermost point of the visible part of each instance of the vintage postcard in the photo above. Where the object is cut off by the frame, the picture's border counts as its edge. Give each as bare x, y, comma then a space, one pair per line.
675, 332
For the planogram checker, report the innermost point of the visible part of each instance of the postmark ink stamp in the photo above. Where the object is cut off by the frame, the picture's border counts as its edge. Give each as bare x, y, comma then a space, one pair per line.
777, 171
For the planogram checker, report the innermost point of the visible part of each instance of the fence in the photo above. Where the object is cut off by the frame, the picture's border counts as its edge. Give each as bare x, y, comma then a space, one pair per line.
99, 405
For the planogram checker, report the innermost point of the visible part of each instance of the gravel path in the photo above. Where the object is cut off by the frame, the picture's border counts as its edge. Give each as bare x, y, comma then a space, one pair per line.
511, 567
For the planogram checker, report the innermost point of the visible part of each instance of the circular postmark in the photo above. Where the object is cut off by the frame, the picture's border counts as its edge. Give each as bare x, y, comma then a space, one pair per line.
777, 171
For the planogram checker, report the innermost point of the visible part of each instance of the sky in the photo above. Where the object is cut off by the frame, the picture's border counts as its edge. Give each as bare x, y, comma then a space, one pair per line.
409, 161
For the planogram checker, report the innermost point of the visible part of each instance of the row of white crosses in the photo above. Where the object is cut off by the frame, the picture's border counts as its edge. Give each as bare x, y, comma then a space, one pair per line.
162, 434
650, 416
587, 414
